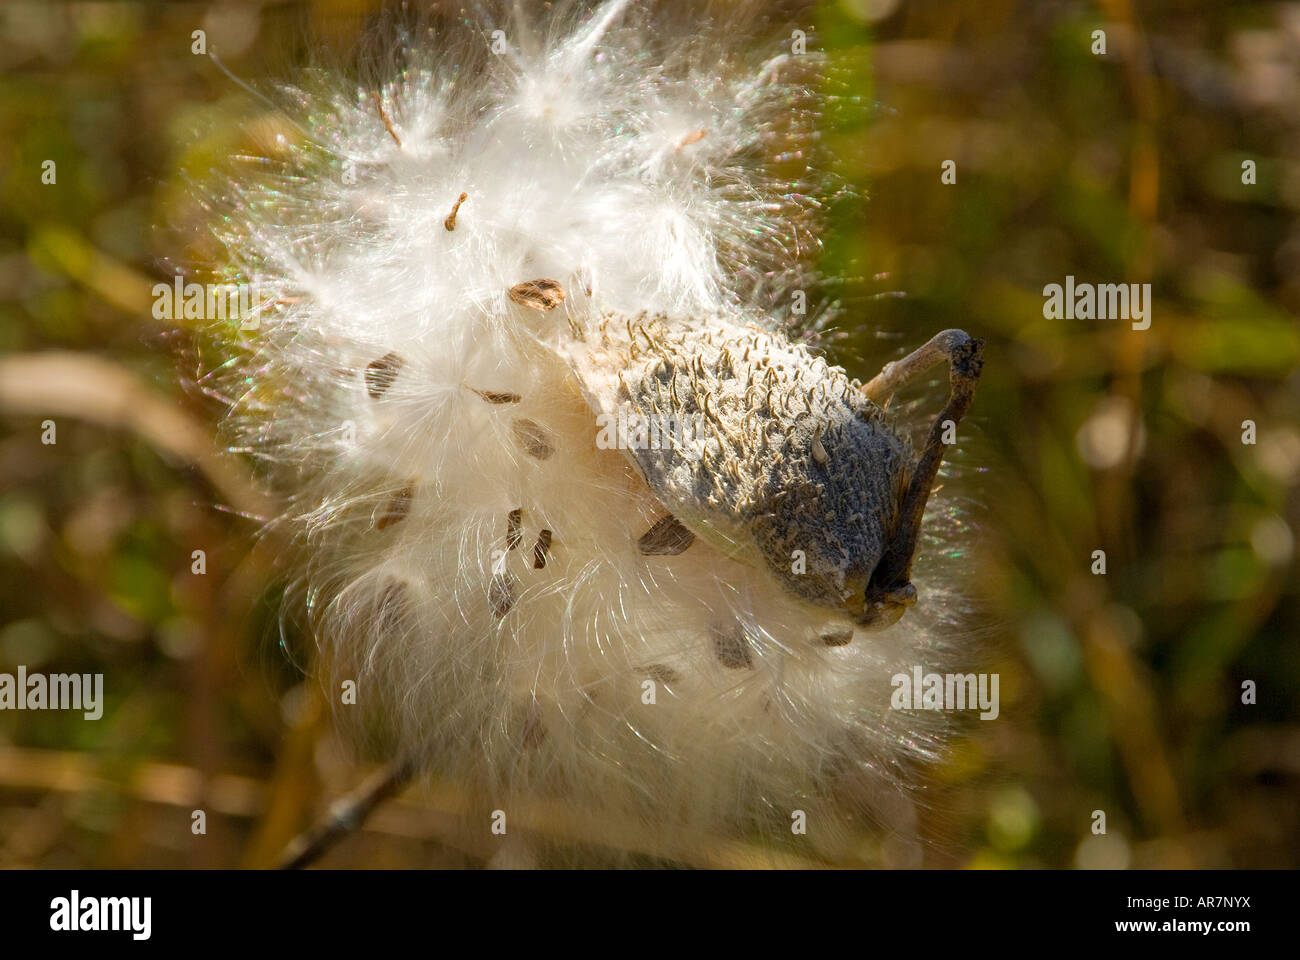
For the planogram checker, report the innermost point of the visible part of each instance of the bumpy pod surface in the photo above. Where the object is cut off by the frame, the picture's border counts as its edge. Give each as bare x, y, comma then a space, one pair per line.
769, 451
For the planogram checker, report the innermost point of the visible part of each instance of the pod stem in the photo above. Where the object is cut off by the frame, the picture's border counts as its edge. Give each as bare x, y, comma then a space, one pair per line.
965, 356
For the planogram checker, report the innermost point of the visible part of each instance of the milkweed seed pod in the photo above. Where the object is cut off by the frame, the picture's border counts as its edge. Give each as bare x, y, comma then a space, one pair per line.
587, 522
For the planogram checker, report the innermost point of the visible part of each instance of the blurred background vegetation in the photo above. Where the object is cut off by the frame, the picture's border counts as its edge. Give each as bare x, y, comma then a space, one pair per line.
1120, 693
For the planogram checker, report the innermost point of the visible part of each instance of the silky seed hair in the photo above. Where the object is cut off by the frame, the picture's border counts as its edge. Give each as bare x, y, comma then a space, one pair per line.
503, 230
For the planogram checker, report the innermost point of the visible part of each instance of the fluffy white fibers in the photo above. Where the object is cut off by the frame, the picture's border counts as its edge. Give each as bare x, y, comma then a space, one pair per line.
425, 388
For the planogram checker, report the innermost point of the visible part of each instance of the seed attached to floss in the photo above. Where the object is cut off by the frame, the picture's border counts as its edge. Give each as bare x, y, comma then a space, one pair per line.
661, 673
541, 550
450, 222
533, 439
496, 396
381, 373
837, 637
501, 594
667, 538
514, 528
543, 295
731, 645
398, 507
534, 733
695, 136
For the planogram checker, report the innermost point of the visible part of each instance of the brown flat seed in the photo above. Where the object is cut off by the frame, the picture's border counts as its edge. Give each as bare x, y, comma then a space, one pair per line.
450, 222
541, 549
533, 439
381, 373
397, 508
541, 295
695, 136
514, 528
731, 646
667, 538
837, 637
534, 730
501, 594
660, 673
497, 396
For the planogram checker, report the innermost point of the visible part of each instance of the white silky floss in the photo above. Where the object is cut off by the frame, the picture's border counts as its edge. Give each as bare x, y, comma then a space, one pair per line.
520, 610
